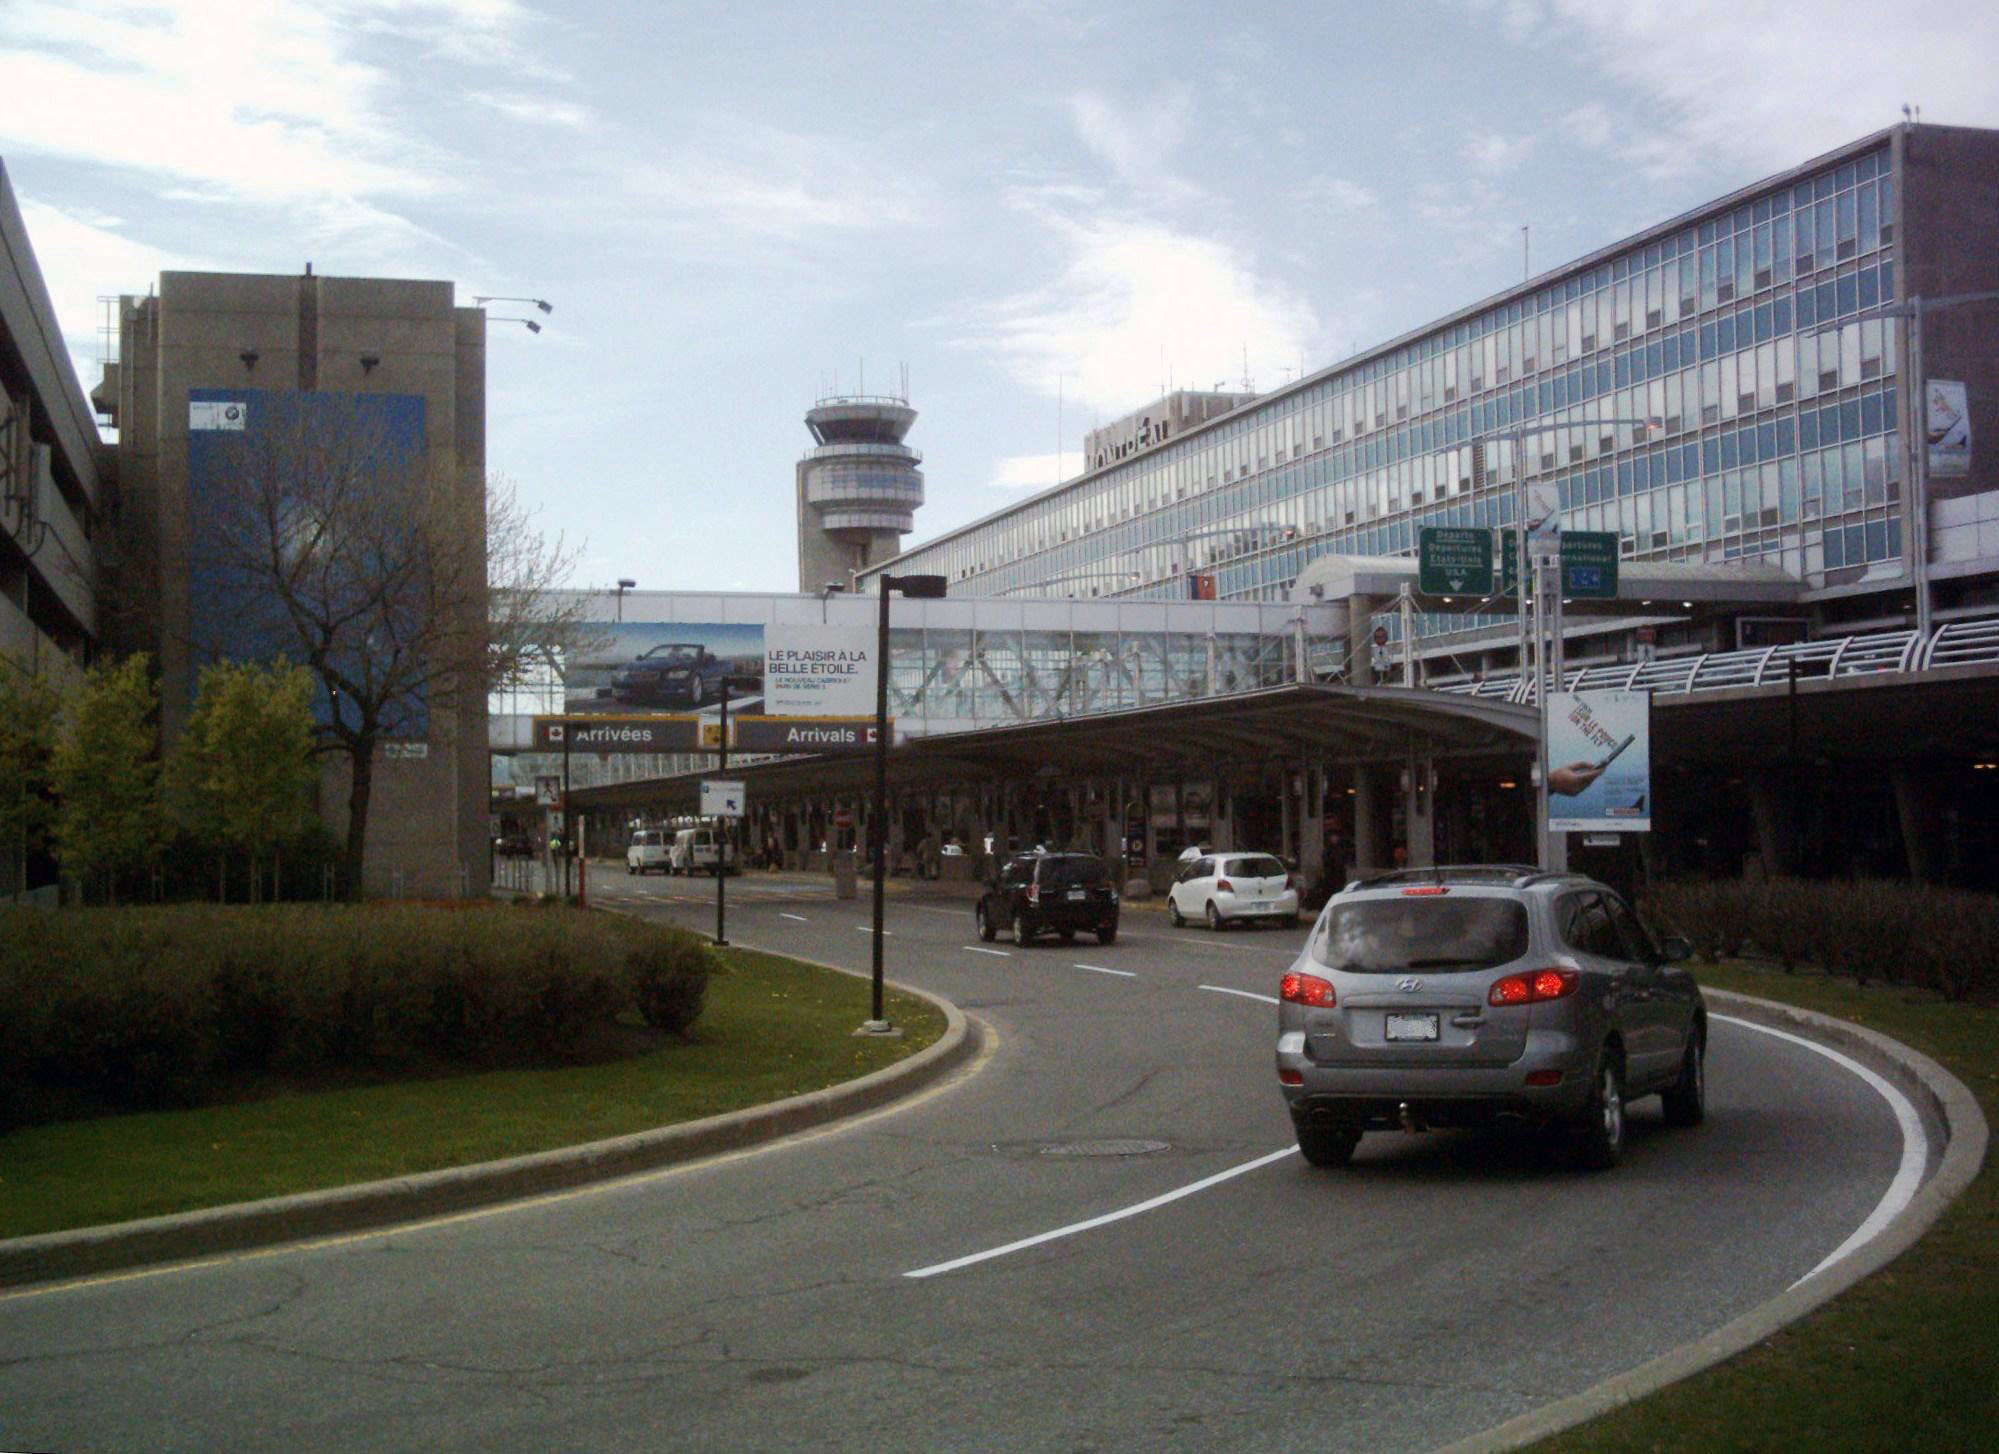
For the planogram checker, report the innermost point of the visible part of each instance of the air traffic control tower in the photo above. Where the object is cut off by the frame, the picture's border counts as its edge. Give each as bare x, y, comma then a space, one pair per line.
858, 489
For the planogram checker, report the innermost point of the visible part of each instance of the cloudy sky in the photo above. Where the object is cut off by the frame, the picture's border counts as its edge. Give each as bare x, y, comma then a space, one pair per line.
1044, 212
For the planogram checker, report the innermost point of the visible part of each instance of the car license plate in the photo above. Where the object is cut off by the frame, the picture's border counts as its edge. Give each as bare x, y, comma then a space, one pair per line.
1410, 1027
1079, 893
1260, 905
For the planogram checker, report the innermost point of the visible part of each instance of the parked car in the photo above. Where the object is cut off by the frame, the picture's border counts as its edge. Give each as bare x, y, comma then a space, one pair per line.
700, 850
1069, 893
1234, 888
648, 851
674, 674
514, 845
1483, 995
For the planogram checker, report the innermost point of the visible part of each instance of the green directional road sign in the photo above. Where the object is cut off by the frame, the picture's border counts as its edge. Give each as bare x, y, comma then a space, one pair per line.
1454, 561
1589, 565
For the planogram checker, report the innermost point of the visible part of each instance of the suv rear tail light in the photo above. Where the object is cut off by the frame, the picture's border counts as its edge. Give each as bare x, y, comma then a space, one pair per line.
1532, 986
1223, 886
1306, 989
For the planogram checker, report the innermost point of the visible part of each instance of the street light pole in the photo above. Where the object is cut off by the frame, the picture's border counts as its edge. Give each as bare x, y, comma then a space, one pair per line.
922, 588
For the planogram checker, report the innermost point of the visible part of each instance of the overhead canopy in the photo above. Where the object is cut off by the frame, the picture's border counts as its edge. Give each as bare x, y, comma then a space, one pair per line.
1320, 722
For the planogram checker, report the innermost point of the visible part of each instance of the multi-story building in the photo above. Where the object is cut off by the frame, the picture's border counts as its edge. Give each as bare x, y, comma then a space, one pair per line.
196, 359
55, 476
1735, 384
56, 487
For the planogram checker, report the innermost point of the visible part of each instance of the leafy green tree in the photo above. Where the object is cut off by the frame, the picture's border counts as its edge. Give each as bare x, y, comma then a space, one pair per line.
28, 708
243, 769
107, 776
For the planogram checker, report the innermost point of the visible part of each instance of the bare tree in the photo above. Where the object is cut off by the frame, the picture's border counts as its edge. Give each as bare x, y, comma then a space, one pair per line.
328, 532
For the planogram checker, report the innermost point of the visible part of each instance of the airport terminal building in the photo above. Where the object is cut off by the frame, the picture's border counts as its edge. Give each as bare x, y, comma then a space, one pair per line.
1809, 591
1735, 384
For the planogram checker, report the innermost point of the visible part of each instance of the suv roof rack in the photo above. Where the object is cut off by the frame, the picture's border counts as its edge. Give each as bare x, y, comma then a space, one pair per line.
1509, 875
1449, 873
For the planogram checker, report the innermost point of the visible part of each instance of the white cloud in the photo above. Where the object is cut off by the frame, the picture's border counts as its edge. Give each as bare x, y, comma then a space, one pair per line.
1139, 304
82, 257
1493, 152
1762, 85
1036, 471
253, 100
726, 181
535, 112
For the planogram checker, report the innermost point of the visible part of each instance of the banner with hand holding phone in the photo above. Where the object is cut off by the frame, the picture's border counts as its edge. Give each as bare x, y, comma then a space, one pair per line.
1600, 762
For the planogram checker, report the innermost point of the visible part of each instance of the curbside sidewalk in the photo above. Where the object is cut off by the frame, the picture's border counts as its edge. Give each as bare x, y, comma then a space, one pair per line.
1944, 1097
57, 1256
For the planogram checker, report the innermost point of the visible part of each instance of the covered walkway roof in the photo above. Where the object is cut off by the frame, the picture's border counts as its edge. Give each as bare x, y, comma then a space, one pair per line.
1276, 723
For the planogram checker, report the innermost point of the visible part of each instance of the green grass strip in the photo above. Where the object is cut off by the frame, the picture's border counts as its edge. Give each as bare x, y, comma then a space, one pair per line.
772, 1028
1909, 1358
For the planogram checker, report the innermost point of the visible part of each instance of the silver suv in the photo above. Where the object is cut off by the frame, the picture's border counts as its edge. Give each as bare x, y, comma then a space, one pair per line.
1486, 995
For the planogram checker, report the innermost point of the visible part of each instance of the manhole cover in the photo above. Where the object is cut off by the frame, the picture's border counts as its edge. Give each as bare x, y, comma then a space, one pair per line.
1125, 1147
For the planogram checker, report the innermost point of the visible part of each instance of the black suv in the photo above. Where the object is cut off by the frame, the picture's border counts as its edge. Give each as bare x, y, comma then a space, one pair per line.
1070, 893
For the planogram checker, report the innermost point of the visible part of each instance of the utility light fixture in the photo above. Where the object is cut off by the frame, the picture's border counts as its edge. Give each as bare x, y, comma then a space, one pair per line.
541, 303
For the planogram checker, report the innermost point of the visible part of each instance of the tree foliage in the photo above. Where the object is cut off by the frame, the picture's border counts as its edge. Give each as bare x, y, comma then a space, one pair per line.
28, 708
106, 775
243, 768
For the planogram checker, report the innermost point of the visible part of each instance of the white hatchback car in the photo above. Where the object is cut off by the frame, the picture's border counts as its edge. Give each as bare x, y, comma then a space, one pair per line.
1223, 887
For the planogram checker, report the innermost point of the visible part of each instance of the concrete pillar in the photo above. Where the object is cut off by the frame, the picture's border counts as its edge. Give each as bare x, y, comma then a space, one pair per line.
1360, 641
1912, 808
1287, 807
1369, 850
1312, 825
1767, 804
1419, 810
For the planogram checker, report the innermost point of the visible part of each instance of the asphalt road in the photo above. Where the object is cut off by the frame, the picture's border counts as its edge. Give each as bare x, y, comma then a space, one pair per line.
766, 1299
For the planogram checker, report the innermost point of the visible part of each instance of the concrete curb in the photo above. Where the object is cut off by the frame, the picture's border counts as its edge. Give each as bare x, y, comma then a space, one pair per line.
1965, 1137
56, 1256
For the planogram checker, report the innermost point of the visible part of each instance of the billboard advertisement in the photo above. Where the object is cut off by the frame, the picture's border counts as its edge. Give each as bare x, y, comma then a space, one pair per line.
681, 668
819, 671
1949, 429
311, 461
1600, 762
668, 666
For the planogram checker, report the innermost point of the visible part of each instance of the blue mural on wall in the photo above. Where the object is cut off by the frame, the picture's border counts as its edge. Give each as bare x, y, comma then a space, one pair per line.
263, 466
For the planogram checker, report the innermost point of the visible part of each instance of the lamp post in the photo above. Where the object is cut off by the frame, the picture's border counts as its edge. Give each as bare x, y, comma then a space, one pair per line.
541, 303
625, 583
920, 588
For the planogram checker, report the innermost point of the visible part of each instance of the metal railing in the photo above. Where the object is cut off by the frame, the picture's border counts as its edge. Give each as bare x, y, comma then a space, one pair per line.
1958, 643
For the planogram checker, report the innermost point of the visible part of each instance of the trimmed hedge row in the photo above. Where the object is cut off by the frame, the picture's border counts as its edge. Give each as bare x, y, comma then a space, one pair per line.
1940, 939
141, 1007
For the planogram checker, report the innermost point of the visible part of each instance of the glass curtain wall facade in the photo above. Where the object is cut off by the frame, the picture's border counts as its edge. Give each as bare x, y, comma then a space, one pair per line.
1741, 329
959, 665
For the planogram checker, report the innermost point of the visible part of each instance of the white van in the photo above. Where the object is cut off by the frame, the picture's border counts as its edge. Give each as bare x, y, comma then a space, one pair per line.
648, 850
698, 850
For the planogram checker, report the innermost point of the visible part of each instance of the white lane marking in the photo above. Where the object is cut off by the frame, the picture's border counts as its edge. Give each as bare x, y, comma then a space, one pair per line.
1099, 969
799, 917
1002, 953
1908, 1177
869, 929
1152, 1204
1245, 994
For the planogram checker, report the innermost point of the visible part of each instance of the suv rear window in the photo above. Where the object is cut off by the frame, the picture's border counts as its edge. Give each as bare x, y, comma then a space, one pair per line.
1389, 936
1065, 872
1261, 865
